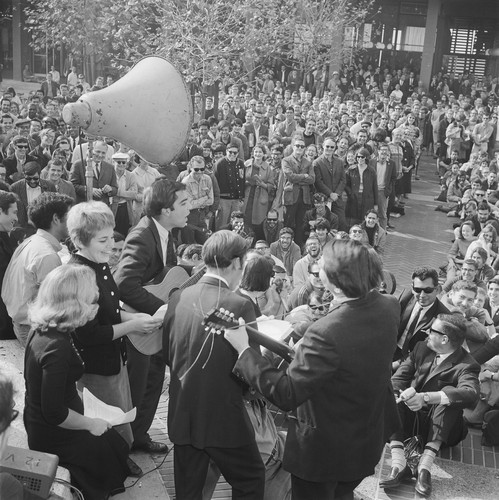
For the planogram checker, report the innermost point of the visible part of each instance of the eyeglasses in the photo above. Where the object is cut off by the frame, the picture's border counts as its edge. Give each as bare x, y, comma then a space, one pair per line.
320, 308
432, 330
427, 290
271, 220
315, 274
198, 169
232, 152
360, 156
120, 162
300, 146
22, 146
32, 177
356, 231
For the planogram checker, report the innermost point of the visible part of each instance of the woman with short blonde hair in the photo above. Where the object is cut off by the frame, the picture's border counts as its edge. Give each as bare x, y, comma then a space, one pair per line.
68, 301
100, 341
90, 448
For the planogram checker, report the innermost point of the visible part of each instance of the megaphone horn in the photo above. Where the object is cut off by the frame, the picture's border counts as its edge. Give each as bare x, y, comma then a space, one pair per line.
149, 110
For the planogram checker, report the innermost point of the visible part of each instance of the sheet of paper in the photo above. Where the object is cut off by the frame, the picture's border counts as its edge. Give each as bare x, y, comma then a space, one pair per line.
95, 408
274, 328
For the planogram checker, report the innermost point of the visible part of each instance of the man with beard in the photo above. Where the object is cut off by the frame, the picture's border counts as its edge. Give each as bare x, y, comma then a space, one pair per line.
286, 249
300, 269
300, 294
271, 226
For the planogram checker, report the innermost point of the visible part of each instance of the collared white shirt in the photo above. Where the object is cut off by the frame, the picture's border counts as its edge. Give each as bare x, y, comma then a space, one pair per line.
417, 311
32, 193
164, 235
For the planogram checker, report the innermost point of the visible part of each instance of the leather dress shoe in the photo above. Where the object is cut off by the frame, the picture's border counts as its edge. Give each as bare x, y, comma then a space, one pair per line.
395, 477
152, 447
423, 484
135, 470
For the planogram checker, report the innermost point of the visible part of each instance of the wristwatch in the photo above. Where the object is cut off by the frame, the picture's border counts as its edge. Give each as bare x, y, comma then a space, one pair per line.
426, 398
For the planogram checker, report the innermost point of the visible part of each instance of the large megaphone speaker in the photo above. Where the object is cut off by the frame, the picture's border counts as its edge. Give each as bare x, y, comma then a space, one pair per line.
149, 110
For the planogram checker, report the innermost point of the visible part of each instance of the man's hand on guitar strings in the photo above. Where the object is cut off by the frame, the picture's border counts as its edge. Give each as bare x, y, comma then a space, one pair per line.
238, 337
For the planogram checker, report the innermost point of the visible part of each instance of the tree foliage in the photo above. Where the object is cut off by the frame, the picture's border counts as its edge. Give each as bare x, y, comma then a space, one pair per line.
200, 37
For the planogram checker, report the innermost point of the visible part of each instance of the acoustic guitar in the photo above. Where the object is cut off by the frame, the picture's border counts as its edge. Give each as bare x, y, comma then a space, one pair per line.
218, 320
167, 282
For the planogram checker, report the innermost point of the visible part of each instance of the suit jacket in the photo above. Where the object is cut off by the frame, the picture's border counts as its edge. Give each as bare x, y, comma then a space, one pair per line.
390, 174
206, 407
297, 174
330, 178
250, 129
407, 303
339, 385
19, 188
10, 164
107, 175
140, 262
358, 203
457, 375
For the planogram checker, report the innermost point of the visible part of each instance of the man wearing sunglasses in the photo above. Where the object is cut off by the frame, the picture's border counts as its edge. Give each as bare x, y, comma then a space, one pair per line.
419, 306
434, 385
15, 162
28, 190
200, 190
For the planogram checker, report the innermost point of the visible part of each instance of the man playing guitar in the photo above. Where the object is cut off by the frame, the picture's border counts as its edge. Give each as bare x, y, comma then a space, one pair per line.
206, 414
148, 250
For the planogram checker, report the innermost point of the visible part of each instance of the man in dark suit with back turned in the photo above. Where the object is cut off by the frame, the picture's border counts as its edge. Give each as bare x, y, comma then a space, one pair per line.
436, 382
419, 308
148, 249
206, 414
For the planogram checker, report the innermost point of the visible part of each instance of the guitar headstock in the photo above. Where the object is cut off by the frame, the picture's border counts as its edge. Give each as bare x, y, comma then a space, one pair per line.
218, 319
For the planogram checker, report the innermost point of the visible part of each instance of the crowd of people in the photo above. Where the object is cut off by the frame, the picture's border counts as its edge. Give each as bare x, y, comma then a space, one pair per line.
279, 206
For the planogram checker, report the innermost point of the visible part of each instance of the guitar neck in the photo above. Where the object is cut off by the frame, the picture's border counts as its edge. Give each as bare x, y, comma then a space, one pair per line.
279, 348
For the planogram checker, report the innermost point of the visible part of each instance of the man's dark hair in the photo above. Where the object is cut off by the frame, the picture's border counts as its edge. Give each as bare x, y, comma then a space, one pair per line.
464, 285
161, 194
6, 200
222, 247
424, 272
322, 223
471, 262
494, 281
257, 273
484, 206
454, 327
41, 212
191, 250
286, 230
203, 123
118, 237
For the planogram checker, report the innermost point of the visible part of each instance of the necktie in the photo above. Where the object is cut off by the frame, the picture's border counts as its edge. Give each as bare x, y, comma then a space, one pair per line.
410, 330
170, 258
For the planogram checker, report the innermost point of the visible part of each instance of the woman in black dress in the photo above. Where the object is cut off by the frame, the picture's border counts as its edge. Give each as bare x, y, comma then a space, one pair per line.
90, 448
100, 340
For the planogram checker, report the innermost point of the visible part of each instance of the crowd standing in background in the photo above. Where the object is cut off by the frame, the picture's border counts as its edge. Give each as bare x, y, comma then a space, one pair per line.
288, 171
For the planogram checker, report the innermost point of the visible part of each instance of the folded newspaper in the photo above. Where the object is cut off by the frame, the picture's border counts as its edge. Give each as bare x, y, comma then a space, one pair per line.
95, 408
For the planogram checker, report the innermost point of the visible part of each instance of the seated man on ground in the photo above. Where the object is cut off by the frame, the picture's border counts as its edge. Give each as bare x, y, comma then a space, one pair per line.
435, 384
460, 300
468, 273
